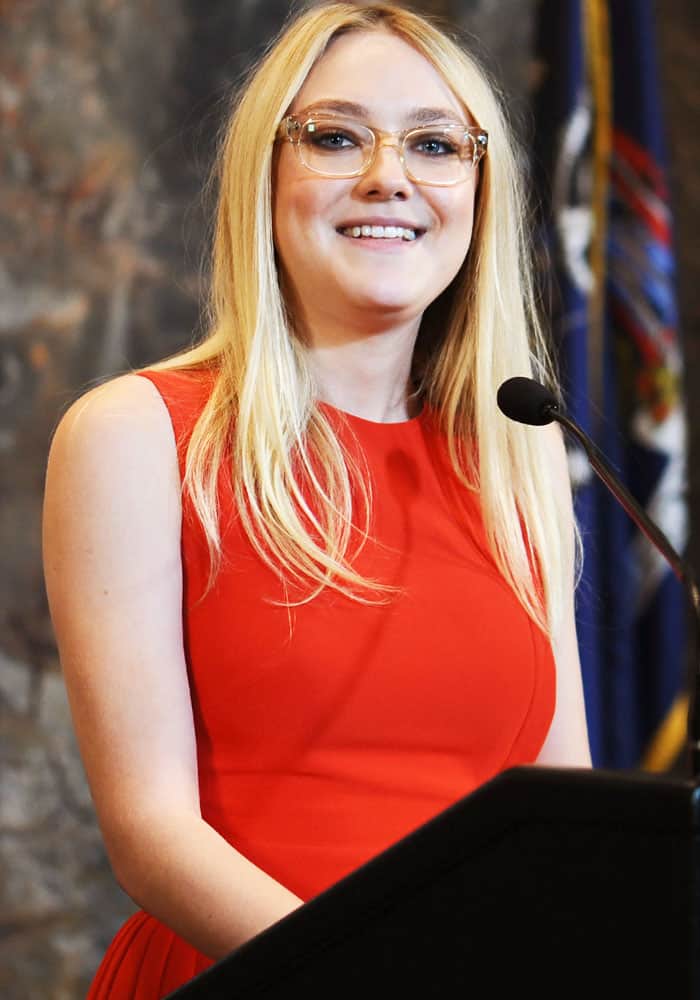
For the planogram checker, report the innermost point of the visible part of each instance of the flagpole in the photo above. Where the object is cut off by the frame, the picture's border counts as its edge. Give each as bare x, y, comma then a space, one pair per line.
596, 30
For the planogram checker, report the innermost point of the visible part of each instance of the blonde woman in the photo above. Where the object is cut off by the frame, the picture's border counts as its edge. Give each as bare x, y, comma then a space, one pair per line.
309, 587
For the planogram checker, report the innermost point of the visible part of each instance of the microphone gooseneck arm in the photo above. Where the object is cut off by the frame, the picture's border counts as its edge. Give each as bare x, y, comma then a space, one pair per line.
633, 508
679, 566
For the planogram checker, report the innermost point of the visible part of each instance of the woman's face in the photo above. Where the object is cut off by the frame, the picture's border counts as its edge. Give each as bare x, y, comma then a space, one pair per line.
337, 276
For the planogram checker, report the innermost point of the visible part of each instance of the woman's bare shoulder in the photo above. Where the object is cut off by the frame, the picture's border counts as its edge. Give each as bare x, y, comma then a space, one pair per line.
112, 481
127, 410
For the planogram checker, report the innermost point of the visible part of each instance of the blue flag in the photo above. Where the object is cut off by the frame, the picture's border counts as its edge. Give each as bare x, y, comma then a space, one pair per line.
600, 167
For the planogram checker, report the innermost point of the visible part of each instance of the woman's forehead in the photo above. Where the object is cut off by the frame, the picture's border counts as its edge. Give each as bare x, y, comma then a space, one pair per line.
377, 75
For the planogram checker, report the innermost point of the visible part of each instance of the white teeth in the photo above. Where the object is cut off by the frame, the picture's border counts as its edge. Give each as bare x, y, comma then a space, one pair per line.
381, 232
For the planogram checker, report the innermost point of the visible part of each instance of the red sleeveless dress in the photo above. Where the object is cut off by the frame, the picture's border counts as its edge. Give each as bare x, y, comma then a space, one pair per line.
319, 748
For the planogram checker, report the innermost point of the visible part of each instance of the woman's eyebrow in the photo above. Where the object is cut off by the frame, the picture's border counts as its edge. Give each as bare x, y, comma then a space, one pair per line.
424, 116
416, 116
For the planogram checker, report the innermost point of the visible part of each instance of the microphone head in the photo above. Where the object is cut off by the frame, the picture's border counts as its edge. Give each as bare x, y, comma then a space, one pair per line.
527, 401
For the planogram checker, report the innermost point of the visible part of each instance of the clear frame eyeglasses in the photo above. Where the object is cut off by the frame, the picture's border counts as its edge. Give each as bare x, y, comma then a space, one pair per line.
333, 146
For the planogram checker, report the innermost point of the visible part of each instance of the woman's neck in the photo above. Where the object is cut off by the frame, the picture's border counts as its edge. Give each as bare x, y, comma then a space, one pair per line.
368, 374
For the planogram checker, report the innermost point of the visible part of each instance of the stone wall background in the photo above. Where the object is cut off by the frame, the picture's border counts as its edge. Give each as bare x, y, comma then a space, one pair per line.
107, 113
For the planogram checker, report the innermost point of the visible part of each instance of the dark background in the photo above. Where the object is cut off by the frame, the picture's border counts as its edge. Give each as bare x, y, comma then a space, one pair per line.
108, 110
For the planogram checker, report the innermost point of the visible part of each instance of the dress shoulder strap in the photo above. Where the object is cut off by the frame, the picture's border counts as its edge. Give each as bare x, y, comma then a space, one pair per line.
184, 392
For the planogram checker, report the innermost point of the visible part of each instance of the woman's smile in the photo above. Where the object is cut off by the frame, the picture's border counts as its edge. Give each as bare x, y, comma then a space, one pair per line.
381, 235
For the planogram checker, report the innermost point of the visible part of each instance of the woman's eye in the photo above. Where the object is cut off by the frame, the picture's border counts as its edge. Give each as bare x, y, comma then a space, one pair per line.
435, 145
332, 139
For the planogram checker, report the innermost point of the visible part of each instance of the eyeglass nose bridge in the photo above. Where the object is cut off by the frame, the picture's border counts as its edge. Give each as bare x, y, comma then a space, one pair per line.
395, 140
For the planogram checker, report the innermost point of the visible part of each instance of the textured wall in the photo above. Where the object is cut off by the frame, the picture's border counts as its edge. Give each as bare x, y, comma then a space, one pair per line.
107, 112
84, 266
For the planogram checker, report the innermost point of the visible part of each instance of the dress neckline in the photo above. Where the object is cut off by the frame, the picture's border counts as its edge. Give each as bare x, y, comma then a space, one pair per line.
355, 420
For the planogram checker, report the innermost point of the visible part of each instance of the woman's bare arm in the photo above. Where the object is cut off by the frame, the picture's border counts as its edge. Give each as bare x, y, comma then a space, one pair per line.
566, 744
114, 581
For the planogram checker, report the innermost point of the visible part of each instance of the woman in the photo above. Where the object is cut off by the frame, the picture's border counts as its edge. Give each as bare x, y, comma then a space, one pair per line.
359, 605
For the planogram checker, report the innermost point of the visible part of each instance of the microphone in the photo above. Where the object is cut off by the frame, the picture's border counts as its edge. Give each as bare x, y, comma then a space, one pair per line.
528, 402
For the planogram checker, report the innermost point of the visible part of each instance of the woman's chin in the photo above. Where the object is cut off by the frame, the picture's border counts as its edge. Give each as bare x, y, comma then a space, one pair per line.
394, 310
392, 300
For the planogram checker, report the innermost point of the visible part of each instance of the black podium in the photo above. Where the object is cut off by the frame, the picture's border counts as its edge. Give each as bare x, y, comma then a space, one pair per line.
548, 882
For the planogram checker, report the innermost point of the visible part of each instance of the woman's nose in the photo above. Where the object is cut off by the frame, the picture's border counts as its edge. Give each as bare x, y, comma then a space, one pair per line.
385, 177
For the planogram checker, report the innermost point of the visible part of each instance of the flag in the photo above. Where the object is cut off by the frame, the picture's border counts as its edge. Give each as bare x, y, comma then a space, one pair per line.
599, 165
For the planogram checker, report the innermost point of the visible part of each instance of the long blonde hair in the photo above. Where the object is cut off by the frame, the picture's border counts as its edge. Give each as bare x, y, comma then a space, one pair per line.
263, 409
